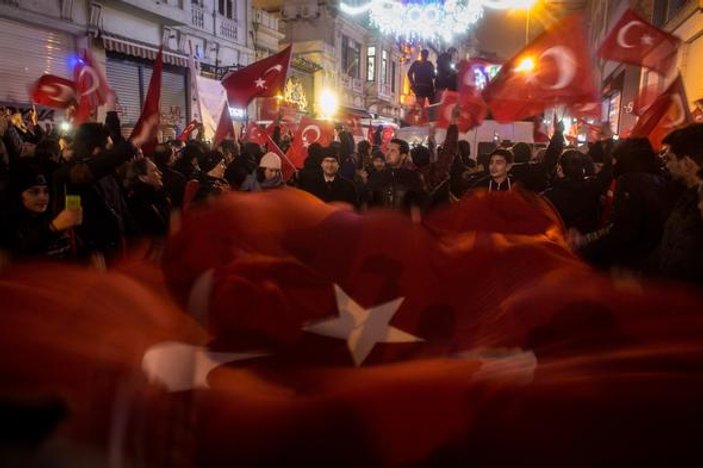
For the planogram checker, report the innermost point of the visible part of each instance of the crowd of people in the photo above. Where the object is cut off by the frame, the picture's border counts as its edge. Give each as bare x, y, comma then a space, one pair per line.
88, 194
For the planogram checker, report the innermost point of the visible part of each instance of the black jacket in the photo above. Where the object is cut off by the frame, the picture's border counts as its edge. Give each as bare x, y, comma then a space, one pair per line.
340, 189
577, 201
26, 234
396, 188
681, 251
642, 204
150, 209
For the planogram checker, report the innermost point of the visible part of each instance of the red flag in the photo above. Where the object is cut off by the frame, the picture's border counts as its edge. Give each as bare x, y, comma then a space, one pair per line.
255, 134
553, 69
668, 112
264, 78
287, 166
634, 40
416, 115
190, 128
352, 124
539, 130
387, 135
53, 91
309, 131
585, 110
472, 110
225, 127
91, 86
645, 98
147, 126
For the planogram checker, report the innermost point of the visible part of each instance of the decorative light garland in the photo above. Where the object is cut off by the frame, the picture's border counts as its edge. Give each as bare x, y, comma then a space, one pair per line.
425, 20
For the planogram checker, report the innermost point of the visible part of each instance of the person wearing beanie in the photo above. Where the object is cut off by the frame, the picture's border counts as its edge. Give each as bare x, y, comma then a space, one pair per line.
30, 229
267, 176
211, 180
330, 186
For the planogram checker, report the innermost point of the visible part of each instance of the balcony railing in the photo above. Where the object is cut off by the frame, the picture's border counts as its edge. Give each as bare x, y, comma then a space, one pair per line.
228, 29
197, 17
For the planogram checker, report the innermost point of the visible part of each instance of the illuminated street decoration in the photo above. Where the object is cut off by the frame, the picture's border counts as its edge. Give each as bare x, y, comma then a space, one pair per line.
294, 94
426, 19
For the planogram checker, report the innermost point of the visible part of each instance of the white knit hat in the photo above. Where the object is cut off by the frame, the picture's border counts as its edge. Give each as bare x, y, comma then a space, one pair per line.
271, 161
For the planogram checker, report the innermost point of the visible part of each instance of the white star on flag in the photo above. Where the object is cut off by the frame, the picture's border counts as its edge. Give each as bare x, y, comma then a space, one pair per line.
260, 83
181, 366
647, 40
362, 328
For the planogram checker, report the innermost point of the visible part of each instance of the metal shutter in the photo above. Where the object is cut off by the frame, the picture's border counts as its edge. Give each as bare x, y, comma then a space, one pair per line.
173, 104
123, 76
27, 54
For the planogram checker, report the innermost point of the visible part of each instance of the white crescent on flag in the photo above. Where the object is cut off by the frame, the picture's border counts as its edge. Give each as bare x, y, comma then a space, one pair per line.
623, 32
679, 110
94, 81
308, 141
58, 92
276, 68
566, 64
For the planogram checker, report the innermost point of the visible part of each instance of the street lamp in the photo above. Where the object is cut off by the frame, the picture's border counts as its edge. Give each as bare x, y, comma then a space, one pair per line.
328, 103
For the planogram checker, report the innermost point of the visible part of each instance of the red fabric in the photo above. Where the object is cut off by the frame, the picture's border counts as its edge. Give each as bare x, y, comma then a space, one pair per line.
645, 98
387, 135
562, 74
634, 40
287, 167
586, 110
185, 134
352, 124
255, 134
53, 91
309, 131
668, 112
77, 338
225, 127
265, 78
416, 115
472, 110
539, 131
92, 87
148, 123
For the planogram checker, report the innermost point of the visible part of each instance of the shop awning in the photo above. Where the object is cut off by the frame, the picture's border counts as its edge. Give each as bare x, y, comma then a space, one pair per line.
121, 45
361, 113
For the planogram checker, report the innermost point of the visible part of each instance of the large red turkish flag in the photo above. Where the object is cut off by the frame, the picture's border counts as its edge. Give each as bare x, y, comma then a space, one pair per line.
53, 91
309, 131
634, 40
553, 69
255, 134
265, 78
668, 112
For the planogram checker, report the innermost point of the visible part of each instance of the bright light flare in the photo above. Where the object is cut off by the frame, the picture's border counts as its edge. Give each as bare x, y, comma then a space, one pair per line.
65, 127
328, 103
526, 65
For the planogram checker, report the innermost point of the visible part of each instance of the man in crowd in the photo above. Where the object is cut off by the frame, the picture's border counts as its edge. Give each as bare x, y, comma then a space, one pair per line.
396, 186
329, 186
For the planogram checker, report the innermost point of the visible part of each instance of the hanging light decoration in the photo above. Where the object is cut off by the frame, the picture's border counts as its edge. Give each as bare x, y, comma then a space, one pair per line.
425, 19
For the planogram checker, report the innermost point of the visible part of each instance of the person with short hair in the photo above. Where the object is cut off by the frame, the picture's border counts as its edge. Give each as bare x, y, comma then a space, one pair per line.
499, 164
147, 200
330, 186
681, 249
397, 187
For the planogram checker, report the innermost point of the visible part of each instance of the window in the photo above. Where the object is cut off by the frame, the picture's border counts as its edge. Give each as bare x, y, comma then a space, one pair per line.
351, 53
371, 63
664, 10
384, 67
225, 8
393, 77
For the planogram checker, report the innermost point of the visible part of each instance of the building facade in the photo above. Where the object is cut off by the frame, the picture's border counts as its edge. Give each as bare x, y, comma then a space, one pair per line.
621, 84
43, 36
